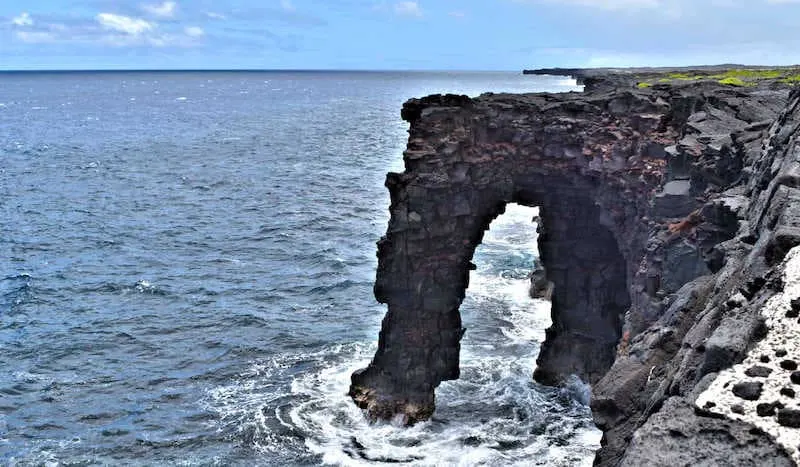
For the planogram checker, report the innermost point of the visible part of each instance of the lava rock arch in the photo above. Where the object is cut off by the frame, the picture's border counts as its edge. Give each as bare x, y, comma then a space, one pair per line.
591, 165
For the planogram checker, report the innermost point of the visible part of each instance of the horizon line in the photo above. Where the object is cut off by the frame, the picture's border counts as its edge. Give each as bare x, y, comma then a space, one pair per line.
246, 70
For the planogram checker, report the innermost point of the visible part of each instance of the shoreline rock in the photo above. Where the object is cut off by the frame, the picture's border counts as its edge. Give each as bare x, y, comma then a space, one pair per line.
669, 211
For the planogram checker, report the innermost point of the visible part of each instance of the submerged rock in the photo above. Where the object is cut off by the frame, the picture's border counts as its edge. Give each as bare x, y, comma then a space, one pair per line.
540, 286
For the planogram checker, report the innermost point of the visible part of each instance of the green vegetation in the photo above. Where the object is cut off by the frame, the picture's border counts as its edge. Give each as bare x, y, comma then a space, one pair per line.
681, 76
734, 81
791, 79
753, 74
734, 77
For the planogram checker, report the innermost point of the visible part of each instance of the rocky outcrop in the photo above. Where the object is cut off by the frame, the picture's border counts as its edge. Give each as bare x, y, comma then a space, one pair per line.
540, 286
668, 212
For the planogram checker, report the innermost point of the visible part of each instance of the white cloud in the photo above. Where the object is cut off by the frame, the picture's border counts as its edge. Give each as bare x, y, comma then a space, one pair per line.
214, 15
124, 24
408, 9
287, 5
194, 31
35, 37
162, 10
457, 14
161, 40
108, 29
759, 52
24, 19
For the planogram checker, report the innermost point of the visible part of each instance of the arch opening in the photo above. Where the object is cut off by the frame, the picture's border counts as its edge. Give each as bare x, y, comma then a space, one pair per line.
499, 309
424, 265
494, 408
589, 274
465, 161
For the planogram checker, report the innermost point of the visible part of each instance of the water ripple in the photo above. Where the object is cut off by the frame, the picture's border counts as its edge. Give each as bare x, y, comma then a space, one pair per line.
190, 282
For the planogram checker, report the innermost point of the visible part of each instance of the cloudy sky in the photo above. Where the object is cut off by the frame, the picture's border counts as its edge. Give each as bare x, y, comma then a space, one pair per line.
389, 34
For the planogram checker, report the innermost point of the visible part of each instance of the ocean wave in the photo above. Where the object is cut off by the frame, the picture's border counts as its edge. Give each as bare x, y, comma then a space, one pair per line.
493, 415
15, 291
134, 306
142, 287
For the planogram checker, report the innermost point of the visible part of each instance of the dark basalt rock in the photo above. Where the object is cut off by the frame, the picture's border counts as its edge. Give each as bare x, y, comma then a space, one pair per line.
789, 365
758, 371
667, 212
748, 390
768, 409
704, 441
789, 418
541, 287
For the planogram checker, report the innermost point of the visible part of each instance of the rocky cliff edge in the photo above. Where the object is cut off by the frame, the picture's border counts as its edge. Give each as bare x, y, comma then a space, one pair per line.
671, 213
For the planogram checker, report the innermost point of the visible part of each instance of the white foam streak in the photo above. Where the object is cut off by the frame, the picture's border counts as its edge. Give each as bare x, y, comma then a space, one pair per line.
495, 414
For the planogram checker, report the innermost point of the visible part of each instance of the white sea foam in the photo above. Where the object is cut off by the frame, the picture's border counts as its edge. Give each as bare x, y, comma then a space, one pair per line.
181, 99
493, 415
143, 286
568, 83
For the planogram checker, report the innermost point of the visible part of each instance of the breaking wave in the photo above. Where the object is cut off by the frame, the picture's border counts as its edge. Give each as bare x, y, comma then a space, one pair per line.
495, 414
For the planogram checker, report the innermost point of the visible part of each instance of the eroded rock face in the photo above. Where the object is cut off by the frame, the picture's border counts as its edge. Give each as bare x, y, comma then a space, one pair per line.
589, 171
666, 214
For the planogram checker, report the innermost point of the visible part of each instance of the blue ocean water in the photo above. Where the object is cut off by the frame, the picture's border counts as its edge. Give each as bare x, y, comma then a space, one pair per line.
186, 277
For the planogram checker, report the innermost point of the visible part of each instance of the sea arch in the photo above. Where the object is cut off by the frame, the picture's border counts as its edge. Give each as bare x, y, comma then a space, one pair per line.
591, 170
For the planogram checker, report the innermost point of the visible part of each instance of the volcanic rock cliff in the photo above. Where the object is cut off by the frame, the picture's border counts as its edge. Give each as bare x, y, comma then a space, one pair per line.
669, 213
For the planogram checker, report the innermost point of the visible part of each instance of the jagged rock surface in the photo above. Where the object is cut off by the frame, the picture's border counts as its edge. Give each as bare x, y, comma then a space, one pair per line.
667, 213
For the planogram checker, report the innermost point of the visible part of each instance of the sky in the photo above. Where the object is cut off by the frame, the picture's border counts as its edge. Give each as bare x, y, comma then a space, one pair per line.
395, 35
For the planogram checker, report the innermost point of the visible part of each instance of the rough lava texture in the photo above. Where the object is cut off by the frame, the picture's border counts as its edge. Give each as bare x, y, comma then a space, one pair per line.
667, 214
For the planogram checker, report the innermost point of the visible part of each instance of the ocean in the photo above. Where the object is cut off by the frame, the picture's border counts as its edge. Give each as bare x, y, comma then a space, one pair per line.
187, 268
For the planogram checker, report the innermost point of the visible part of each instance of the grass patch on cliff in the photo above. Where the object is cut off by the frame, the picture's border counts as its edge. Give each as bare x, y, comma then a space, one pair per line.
734, 77
683, 76
734, 81
753, 74
791, 79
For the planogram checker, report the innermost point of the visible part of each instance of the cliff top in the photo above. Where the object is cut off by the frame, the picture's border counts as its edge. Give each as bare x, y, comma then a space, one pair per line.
729, 74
